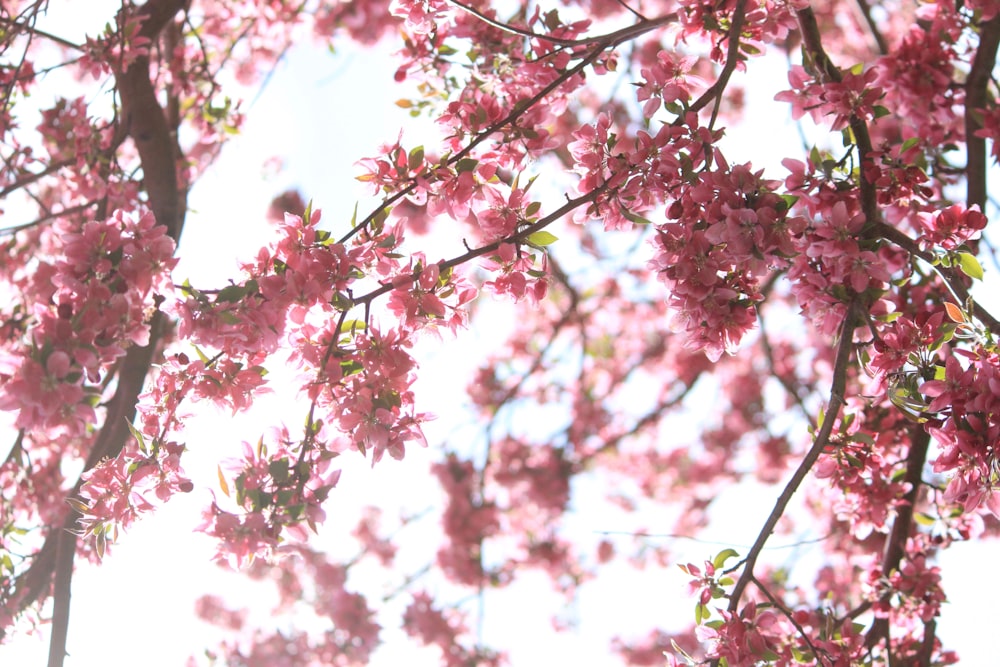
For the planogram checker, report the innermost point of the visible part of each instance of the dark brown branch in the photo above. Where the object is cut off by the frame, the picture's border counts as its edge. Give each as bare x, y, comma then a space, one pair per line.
519, 237
791, 619
953, 280
835, 403
628, 32
28, 179
18, 26
975, 101
609, 41
813, 44
732, 57
902, 525
112, 438
51, 215
145, 122
866, 12
147, 125
65, 552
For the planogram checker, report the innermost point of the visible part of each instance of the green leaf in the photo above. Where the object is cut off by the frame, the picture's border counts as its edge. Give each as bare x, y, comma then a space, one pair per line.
352, 326
636, 218
278, 470
700, 613
720, 560
970, 265
138, 436
416, 157
815, 157
881, 111
542, 238
231, 293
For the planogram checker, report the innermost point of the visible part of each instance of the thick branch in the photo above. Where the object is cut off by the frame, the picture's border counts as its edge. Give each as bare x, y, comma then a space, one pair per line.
147, 125
895, 543
975, 101
112, 438
145, 122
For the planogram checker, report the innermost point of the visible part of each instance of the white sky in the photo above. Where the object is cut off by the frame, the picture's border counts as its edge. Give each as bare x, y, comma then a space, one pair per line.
321, 114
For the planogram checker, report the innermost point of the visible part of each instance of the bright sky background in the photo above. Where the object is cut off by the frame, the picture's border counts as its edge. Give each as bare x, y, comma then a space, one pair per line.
320, 114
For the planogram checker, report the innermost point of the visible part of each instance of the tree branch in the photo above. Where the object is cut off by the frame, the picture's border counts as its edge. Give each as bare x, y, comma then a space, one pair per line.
519, 237
866, 12
813, 44
953, 280
833, 407
145, 122
606, 42
895, 542
975, 101
147, 125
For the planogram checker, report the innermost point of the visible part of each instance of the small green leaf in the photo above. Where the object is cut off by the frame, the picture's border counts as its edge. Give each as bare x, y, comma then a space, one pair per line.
542, 238
278, 470
720, 560
231, 293
138, 436
815, 157
636, 218
416, 157
970, 265
352, 326
700, 613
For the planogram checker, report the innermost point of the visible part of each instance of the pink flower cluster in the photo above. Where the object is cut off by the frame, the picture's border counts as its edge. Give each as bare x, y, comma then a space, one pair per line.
116, 491
855, 96
276, 489
434, 627
966, 426
951, 227
911, 593
728, 230
90, 306
467, 521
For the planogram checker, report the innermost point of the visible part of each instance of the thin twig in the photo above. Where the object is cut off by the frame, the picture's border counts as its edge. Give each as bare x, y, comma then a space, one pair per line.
952, 280
518, 237
606, 42
835, 403
866, 12
791, 619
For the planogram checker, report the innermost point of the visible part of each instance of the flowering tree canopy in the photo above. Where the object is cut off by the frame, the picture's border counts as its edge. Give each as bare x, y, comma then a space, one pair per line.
830, 305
